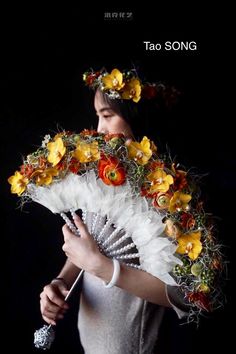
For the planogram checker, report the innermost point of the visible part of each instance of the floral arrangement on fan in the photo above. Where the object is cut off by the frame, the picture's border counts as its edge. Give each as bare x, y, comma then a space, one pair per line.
169, 191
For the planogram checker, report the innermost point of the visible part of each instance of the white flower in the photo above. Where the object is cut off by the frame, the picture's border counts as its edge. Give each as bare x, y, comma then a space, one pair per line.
46, 140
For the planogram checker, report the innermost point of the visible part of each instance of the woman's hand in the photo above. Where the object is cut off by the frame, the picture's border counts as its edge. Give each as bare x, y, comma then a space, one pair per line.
82, 251
52, 303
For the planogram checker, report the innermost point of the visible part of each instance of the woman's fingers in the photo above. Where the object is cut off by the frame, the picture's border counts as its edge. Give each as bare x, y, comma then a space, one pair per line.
68, 234
80, 225
54, 296
50, 311
52, 303
49, 306
49, 320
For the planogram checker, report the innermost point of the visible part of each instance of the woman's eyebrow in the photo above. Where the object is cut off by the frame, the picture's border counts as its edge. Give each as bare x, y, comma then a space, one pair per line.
105, 109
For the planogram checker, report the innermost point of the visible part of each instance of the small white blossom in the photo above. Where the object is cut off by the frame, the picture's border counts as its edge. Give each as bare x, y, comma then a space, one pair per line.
113, 94
46, 140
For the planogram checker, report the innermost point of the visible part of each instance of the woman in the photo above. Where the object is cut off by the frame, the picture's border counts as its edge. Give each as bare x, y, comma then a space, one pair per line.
121, 308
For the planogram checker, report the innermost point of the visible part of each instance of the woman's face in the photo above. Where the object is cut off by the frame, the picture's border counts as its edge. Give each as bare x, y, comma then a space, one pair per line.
109, 122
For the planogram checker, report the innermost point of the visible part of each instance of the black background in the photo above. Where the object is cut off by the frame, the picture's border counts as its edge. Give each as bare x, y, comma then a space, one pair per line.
44, 55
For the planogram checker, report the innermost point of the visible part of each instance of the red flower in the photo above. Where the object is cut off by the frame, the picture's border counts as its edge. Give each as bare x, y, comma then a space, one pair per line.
42, 163
145, 192
162, 200
74, 165
149, 91
88, 132
153, 165
108, 137
61, 166
180, 181
91, 78
200, 299
187, 220
26, 170
111, 171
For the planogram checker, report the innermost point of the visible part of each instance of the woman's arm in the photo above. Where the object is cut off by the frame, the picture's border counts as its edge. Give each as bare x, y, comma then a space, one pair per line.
52, 298
135, 281
69, 273
146, 286
83, 252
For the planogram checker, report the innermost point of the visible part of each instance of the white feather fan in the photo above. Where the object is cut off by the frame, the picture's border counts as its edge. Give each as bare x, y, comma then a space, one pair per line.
124, 225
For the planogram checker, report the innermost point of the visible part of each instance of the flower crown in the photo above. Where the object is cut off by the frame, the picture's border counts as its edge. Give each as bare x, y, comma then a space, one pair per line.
121, 85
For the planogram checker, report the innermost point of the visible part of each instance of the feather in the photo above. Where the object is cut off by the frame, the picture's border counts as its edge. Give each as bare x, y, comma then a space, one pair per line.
118, 206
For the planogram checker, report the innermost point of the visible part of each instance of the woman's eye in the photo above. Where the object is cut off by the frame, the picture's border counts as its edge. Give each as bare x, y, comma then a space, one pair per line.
107, 116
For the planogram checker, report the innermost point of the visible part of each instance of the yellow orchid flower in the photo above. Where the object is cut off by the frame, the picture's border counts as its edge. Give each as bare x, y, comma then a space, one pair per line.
44, 177
160, 181
190, 244
57, 150
132, 90
18, 183
203, 288
140, 152
113, 81
179, 201
87, 152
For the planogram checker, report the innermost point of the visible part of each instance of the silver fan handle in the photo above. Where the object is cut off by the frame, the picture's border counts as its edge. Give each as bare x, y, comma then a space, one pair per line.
44, 337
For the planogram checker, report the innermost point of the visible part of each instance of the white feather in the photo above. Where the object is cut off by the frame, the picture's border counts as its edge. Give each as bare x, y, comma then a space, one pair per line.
126, 211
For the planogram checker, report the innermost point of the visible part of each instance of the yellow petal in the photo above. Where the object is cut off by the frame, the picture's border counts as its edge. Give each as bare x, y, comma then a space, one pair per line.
114, 80
169, 179
18, 183
87, 152
117, 74
56, 151
145, 143
185, 198
107, 81
190, 244
126, 95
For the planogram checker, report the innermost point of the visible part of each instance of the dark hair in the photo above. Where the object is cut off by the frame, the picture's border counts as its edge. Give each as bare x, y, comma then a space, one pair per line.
126, 109
145, 116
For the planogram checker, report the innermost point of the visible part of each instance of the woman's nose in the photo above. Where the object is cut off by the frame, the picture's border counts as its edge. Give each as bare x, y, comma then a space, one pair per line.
101, 128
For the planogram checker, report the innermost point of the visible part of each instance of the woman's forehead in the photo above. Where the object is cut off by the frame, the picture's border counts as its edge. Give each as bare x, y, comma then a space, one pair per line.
100, 102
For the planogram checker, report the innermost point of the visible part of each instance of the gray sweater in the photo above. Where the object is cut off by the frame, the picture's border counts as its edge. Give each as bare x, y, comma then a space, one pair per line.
112, 321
